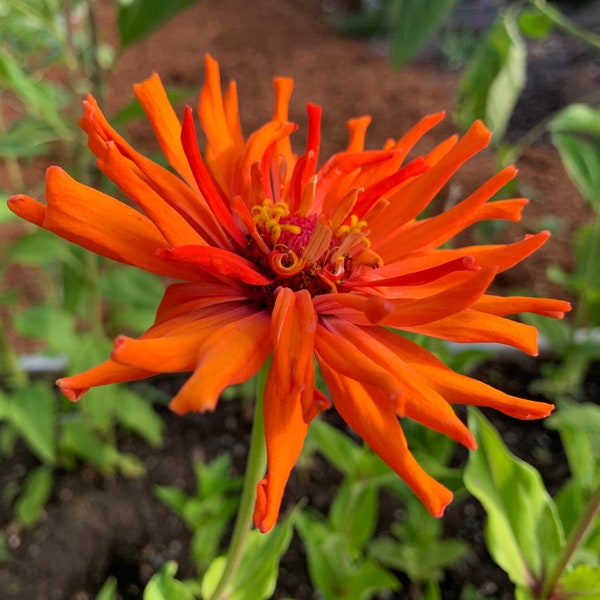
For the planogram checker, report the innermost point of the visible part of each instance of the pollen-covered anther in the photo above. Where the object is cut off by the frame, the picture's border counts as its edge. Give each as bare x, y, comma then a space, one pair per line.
267, 216
285, 262
367, 258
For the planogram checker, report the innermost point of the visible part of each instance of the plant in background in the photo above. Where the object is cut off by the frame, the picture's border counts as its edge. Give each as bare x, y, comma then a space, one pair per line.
280, 258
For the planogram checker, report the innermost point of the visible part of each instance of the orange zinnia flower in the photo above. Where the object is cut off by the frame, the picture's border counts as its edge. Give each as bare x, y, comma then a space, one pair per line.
279, 257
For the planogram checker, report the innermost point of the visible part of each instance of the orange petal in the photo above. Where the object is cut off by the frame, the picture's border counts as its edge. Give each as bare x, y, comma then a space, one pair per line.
414, 197
216, 261
175, 229
342, 356
435, 231
91, 219
473, 326
232, 354
418, 400
358, 129
375, 421
460, 389
75, 386
27, 208
153, 98
512, 305
288, 388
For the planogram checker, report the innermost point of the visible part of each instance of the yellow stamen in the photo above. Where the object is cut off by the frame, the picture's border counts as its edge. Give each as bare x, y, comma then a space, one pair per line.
267, 216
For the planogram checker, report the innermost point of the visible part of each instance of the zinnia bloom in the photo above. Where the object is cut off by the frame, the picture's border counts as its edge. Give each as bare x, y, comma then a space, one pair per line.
276, 256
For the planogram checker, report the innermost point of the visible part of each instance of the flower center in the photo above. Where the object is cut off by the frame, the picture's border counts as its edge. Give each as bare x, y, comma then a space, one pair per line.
306, 252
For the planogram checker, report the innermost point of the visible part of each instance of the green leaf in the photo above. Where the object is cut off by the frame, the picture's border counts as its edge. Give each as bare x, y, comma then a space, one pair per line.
523, 532
354, 511
40, 248
576, 118
582, 582
582, 163
413, 24
579, 428
138, 18
495, 78
27, 138
32, 500
136, 414
53, 325
535, 24
335, 569
164, 586
109, 590
256, 576
33, 413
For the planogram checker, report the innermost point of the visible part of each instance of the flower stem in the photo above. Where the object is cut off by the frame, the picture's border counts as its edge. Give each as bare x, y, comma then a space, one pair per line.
576, 537
255, 467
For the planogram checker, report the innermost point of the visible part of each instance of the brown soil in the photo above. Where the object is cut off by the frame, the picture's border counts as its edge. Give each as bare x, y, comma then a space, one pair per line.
94, 527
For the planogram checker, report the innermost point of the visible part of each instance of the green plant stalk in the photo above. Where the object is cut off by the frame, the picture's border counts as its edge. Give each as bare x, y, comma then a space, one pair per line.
582, 312
12, 164
569, 26
255, 467
576, 537
11, 374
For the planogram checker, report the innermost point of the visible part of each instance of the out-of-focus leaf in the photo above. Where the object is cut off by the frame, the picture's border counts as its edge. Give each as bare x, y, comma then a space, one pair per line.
535, 24
164, 586
582, 582
493, 82
256, 576
26, 138
48, 323
524, 534
32, 500
33, 413
413, 24
40, 248
136, 414
138, 18
576, 118
109, 590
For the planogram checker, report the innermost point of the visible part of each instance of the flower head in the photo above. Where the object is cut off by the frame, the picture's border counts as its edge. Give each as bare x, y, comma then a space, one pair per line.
279, 257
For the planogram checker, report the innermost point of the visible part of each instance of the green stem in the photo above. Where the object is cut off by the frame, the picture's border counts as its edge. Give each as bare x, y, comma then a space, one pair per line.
569, 26
255, 468
576, 537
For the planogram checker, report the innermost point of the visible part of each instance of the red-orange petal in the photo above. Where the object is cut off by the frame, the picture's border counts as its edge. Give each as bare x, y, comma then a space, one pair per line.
288, 388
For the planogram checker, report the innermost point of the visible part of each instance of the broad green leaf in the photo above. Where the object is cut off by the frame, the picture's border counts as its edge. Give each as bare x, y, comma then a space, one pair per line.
6, 214
40, 248
33, 414
136, 414
354, 511
256, 576
109, 590
164, 586
32, 500
523, 531
27, 138
138, 18
413, 24
493, 81
51, 324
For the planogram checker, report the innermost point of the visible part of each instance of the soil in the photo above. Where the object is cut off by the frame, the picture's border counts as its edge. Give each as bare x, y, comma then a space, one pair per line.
95, 526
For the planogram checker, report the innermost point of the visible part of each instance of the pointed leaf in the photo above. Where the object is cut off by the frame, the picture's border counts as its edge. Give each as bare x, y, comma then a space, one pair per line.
164, 586
524, 534
32, 500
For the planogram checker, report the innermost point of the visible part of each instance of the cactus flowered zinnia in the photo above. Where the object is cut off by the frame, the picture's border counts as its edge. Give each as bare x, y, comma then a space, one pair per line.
279, 258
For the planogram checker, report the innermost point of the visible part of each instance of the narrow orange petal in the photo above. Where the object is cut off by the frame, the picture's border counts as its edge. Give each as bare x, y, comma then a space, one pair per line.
288, 388
358, 129
375, 421
175, 229
460, 389
75, 386
416, 195
153, 98
27, 208
407, 142
232, 354
435, 231
474, 326
512, 305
